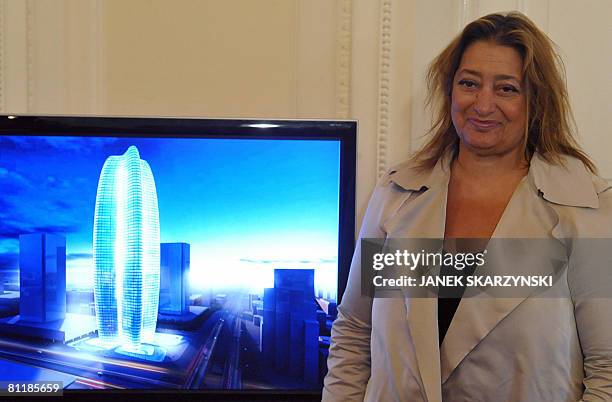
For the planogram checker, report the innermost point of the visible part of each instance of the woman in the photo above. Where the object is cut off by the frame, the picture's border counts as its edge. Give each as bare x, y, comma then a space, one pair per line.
501, 163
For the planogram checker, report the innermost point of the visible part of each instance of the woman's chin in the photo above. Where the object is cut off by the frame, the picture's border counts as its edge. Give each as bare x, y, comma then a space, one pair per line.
484, 147
484, 141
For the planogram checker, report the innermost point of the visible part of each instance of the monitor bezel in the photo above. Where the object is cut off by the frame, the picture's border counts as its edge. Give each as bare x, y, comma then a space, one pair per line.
344, 131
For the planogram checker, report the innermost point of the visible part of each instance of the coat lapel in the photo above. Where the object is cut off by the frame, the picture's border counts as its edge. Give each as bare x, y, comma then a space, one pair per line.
422, 310
477, 316
424, 217
422, 316
481, 310
529, 214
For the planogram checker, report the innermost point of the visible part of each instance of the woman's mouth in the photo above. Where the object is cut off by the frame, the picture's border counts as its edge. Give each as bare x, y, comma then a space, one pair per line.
484, 125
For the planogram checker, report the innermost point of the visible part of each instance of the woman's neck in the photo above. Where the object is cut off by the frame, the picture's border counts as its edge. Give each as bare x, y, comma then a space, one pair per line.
490, 167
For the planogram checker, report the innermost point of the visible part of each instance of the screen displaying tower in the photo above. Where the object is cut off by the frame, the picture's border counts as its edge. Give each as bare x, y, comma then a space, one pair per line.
202, 262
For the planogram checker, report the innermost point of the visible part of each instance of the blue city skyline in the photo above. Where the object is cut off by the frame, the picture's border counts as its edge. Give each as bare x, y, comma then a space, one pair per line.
256, 200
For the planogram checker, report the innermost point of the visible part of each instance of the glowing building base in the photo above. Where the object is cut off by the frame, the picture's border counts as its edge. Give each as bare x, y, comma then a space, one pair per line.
167, 340
155, 352
152, 353
97, 343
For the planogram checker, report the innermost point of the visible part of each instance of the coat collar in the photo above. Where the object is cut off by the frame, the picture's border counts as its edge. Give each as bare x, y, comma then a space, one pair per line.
408, 177
569, 183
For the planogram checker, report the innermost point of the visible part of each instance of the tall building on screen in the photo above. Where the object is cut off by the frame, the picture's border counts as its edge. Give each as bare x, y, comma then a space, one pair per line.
174, 285
126, 252
42, 277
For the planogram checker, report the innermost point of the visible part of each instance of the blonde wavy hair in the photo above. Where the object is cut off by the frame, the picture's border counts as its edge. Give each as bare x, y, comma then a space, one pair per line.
550, 124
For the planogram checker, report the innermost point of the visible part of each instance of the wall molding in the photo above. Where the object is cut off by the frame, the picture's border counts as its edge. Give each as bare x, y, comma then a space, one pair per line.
463, 11
384, 93
2, 58
538, 11
343, 58
96, 14
469, 11
29, 43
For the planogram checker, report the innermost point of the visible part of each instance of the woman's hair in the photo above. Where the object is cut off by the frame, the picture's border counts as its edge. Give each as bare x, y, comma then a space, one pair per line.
550, 122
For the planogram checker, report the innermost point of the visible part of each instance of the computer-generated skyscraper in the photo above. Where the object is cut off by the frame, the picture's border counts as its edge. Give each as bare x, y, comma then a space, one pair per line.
174, 286
126, 252
290, 330
42, 277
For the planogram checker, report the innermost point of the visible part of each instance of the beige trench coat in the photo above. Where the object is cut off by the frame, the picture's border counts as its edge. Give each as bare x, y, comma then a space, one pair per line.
515, 349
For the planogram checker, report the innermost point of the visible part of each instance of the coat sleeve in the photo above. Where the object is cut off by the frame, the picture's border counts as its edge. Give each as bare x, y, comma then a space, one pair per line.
590, 281
349, 353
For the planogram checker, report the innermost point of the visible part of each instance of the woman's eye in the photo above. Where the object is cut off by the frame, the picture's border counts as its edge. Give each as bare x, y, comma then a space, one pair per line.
509, 89
467, 83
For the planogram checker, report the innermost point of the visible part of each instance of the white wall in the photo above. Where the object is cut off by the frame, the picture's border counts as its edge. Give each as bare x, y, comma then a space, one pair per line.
362, 59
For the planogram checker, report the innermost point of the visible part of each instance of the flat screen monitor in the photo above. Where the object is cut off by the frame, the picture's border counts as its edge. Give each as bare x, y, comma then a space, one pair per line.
189, 256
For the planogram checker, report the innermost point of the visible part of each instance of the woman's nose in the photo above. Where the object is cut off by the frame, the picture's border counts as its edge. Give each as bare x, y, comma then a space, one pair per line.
485, 102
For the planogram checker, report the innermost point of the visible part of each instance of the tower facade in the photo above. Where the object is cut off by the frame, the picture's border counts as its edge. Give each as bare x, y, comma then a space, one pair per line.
290, 331
42, 277
174, 285
126, 251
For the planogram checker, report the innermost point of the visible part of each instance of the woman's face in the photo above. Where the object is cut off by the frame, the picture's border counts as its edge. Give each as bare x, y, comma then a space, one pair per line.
488, 99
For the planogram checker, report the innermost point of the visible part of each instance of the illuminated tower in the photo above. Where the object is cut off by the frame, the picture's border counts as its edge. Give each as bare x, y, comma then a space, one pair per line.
126, 251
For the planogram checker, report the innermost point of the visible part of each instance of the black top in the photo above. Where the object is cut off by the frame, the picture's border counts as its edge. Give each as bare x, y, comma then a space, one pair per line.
449, 298
447, 308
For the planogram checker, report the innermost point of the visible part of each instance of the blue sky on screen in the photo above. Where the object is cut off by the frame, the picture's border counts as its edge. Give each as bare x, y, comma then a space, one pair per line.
245, 206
